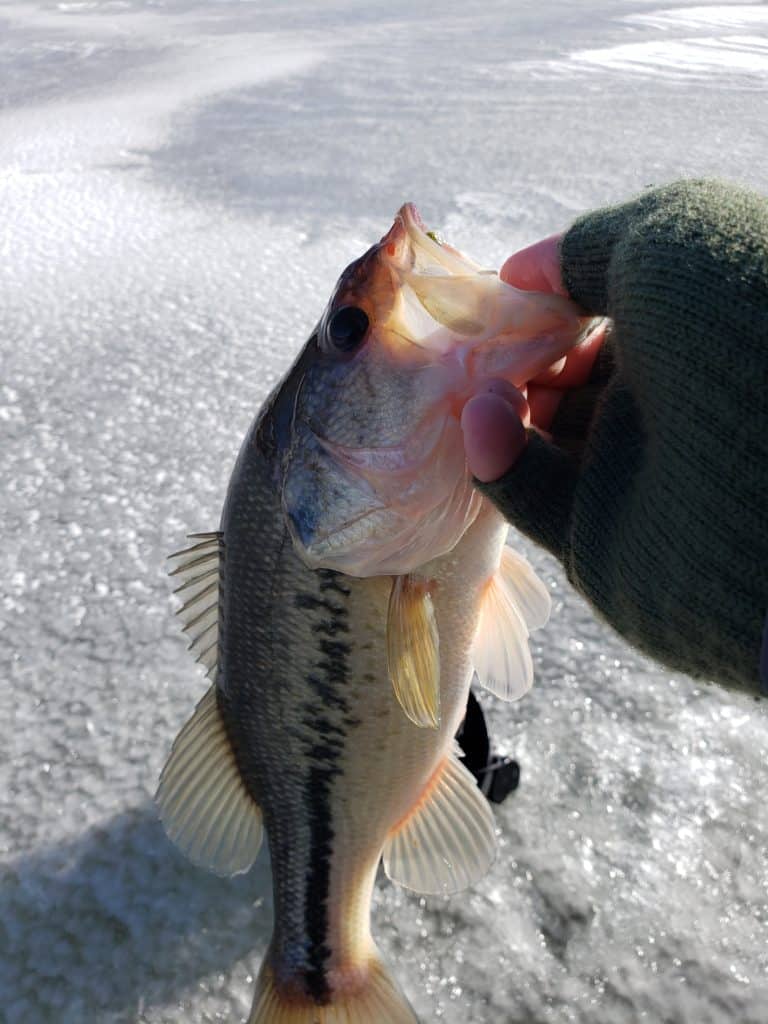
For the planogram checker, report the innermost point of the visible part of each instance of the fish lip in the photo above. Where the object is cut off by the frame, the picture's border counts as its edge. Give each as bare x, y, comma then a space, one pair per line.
408, 226
410, 234
411, 217
395, 242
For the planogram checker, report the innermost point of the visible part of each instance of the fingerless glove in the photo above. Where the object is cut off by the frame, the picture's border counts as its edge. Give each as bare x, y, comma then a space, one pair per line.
654, 492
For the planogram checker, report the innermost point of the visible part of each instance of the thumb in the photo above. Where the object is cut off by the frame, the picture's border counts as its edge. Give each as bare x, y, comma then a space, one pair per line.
536, 268
494, 433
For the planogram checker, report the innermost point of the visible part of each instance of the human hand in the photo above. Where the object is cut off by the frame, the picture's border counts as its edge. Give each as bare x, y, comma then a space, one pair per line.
651, 486
495, 422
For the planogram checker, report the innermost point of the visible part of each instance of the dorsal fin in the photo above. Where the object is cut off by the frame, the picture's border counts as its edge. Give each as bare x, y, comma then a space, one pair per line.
201, 567
448, 841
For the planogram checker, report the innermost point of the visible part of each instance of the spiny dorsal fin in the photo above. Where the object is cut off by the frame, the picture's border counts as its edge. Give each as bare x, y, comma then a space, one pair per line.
203, 804
448, 842
515, 602
201, 567
413, 645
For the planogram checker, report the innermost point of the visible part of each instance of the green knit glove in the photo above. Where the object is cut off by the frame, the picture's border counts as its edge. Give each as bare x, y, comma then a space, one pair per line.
654, 494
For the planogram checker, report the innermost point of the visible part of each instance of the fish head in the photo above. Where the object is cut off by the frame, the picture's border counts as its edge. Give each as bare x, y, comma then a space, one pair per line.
374, 479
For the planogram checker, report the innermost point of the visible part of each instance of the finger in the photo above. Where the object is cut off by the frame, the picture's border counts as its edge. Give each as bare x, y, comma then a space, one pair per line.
515, 396
494, 435
574, 370
536, 268
543, 403
551, 373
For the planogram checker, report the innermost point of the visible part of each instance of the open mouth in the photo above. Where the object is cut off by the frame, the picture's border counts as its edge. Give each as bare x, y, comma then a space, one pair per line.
422, 250
451, 306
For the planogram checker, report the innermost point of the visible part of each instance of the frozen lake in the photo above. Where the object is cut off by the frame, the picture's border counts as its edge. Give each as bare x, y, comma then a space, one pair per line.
180, 184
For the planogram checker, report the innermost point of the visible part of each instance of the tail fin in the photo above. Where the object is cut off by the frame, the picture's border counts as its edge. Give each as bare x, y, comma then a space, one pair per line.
376, 1001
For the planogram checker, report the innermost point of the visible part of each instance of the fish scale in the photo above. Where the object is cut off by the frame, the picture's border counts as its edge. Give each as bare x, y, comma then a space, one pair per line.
353, 777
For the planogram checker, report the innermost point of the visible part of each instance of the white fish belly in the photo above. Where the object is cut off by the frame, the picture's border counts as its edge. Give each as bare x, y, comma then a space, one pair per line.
389, 762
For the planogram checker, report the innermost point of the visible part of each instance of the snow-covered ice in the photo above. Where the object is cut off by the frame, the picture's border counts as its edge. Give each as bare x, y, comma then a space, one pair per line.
180, 184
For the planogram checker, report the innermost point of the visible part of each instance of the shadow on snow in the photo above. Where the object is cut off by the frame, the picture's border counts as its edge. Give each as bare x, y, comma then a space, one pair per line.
115, 921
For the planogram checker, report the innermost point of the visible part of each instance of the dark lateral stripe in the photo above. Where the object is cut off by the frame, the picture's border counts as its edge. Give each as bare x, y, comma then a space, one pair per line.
311, 602
333, 581
318, 879
328, 683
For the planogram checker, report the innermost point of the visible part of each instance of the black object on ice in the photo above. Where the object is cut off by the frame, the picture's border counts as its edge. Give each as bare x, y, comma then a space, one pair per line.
496, 776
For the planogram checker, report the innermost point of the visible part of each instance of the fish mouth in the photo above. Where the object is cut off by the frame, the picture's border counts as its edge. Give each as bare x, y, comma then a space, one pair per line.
412, 246
434, 311
450, 306
437, 295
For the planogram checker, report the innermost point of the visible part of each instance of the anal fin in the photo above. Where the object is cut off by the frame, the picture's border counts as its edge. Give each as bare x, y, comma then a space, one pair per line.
448, 842
204, 805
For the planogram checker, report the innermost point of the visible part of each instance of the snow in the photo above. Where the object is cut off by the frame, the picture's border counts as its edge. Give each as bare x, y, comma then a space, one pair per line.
180, 184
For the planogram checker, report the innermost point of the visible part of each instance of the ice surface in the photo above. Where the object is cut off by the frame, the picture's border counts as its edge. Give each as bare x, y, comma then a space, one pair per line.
740, 46
180, 184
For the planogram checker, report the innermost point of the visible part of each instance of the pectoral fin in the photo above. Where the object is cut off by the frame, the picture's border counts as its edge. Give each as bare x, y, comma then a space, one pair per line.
413, 646
448, 841
203, 803
528, 591
515, 602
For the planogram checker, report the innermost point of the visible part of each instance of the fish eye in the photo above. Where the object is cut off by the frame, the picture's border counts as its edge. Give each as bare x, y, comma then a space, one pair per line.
348, 327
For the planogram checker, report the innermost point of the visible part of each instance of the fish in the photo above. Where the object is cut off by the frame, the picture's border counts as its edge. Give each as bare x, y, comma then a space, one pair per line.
355, 585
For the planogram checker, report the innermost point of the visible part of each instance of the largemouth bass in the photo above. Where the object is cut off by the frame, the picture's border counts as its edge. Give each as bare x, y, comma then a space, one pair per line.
355, 584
